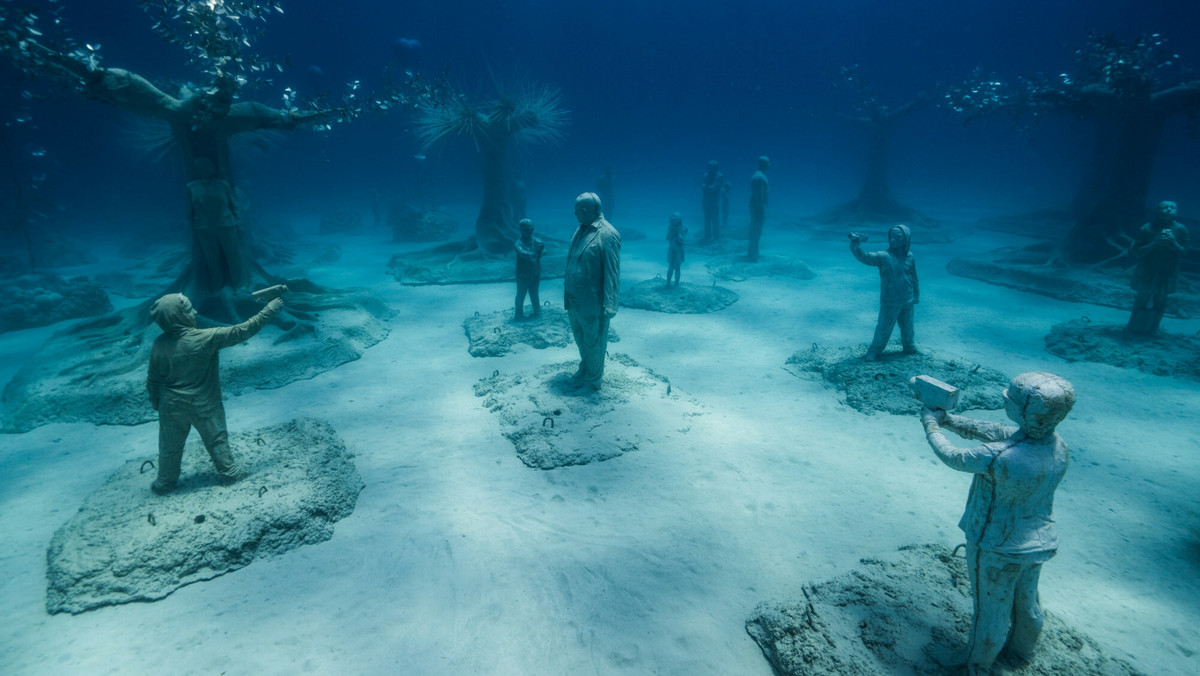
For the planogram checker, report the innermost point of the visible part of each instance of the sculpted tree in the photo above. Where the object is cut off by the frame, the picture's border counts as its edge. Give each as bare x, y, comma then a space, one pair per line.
215, 36
875, 202
95, 370
1126, 89
531, 114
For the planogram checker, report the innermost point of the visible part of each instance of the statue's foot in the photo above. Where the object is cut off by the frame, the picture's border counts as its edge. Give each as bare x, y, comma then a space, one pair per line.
911, 350
871, 356
161, 488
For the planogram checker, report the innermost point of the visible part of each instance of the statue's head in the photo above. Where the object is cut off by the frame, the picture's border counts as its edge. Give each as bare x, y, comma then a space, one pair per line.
676, 219
1038, 401
526, 226
712, 167
1167, 209
900, 238
173, 313
764, 163
587, 208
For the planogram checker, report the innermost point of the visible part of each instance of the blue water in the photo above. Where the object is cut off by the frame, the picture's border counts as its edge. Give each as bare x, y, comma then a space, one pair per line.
654, 89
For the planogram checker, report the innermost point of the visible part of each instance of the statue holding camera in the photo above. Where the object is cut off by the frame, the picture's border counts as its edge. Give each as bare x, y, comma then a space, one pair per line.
1008, 522
1160, 245
899, 292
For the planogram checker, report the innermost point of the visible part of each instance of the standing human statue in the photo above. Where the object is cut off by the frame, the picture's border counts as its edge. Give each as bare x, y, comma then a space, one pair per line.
606, 190
1009, 517
1160, 244
675, 236
758, 206
216, 226
591, 287
899, 291
184, 383
713, 189
529, 270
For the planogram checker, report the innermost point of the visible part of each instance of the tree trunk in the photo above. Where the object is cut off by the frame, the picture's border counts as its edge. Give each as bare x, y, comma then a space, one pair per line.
875, 195
1121, 205
495, 231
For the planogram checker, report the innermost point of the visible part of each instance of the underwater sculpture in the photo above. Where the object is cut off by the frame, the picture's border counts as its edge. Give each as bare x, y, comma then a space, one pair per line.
591, 287
1160, 245
184, 383
1130, 89
525, 115
529, 269
714, 190
213, 215
899, 291
758, 205
675, 236
1008, 522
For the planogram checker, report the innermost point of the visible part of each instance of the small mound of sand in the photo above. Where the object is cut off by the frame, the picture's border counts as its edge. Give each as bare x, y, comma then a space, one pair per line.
41, 299
497, 333
450, 264
882, 385
1162, 354
554, 424
893, 615
683, 298
735, 268
126, 544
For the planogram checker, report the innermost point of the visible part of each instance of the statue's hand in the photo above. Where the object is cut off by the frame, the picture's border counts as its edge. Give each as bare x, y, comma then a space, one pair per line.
275, 305
857, 237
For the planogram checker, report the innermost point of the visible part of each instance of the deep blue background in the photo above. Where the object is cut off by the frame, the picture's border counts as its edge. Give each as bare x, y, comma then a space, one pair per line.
655, 89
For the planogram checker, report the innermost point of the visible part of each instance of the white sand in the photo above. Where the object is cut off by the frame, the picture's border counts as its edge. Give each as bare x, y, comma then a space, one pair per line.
459, 559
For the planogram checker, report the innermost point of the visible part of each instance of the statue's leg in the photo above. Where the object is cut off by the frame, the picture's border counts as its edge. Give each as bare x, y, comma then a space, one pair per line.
597, 347
905, 319
1141, 319
1027, 617
210, 423
756, 227
230, 241
519, 311
993, 587
173, 428
578, 333
1158, 308
211, 268
534, 299
888, 314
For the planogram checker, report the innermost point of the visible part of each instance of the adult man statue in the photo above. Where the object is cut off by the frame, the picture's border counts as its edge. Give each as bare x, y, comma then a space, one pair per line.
213, 215
184, 384
713, 188
591, 287
758, 205
529, 270
1009, 520
1159, 246
899, 291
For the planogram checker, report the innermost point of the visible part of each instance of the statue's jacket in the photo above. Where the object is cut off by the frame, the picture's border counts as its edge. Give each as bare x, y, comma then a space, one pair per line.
592, 283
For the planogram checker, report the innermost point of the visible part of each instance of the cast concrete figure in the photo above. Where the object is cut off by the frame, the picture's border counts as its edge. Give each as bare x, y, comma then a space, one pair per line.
591, 287
899, 291
675, 234
529, 269
715, 191
1160, 245
1008, 522
185, 386
606, 190
213, 214
758, 205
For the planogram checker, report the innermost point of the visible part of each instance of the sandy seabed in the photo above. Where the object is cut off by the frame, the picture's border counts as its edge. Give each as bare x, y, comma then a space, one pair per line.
460, 559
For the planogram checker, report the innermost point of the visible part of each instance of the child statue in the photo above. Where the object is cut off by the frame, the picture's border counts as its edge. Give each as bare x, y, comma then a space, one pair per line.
1160, 245
1008, 522
529, 270
675, 234
184, 383
898, 289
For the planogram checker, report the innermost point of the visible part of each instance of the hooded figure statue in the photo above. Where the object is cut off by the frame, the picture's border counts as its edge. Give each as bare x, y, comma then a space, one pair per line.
898, 289
185, 386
